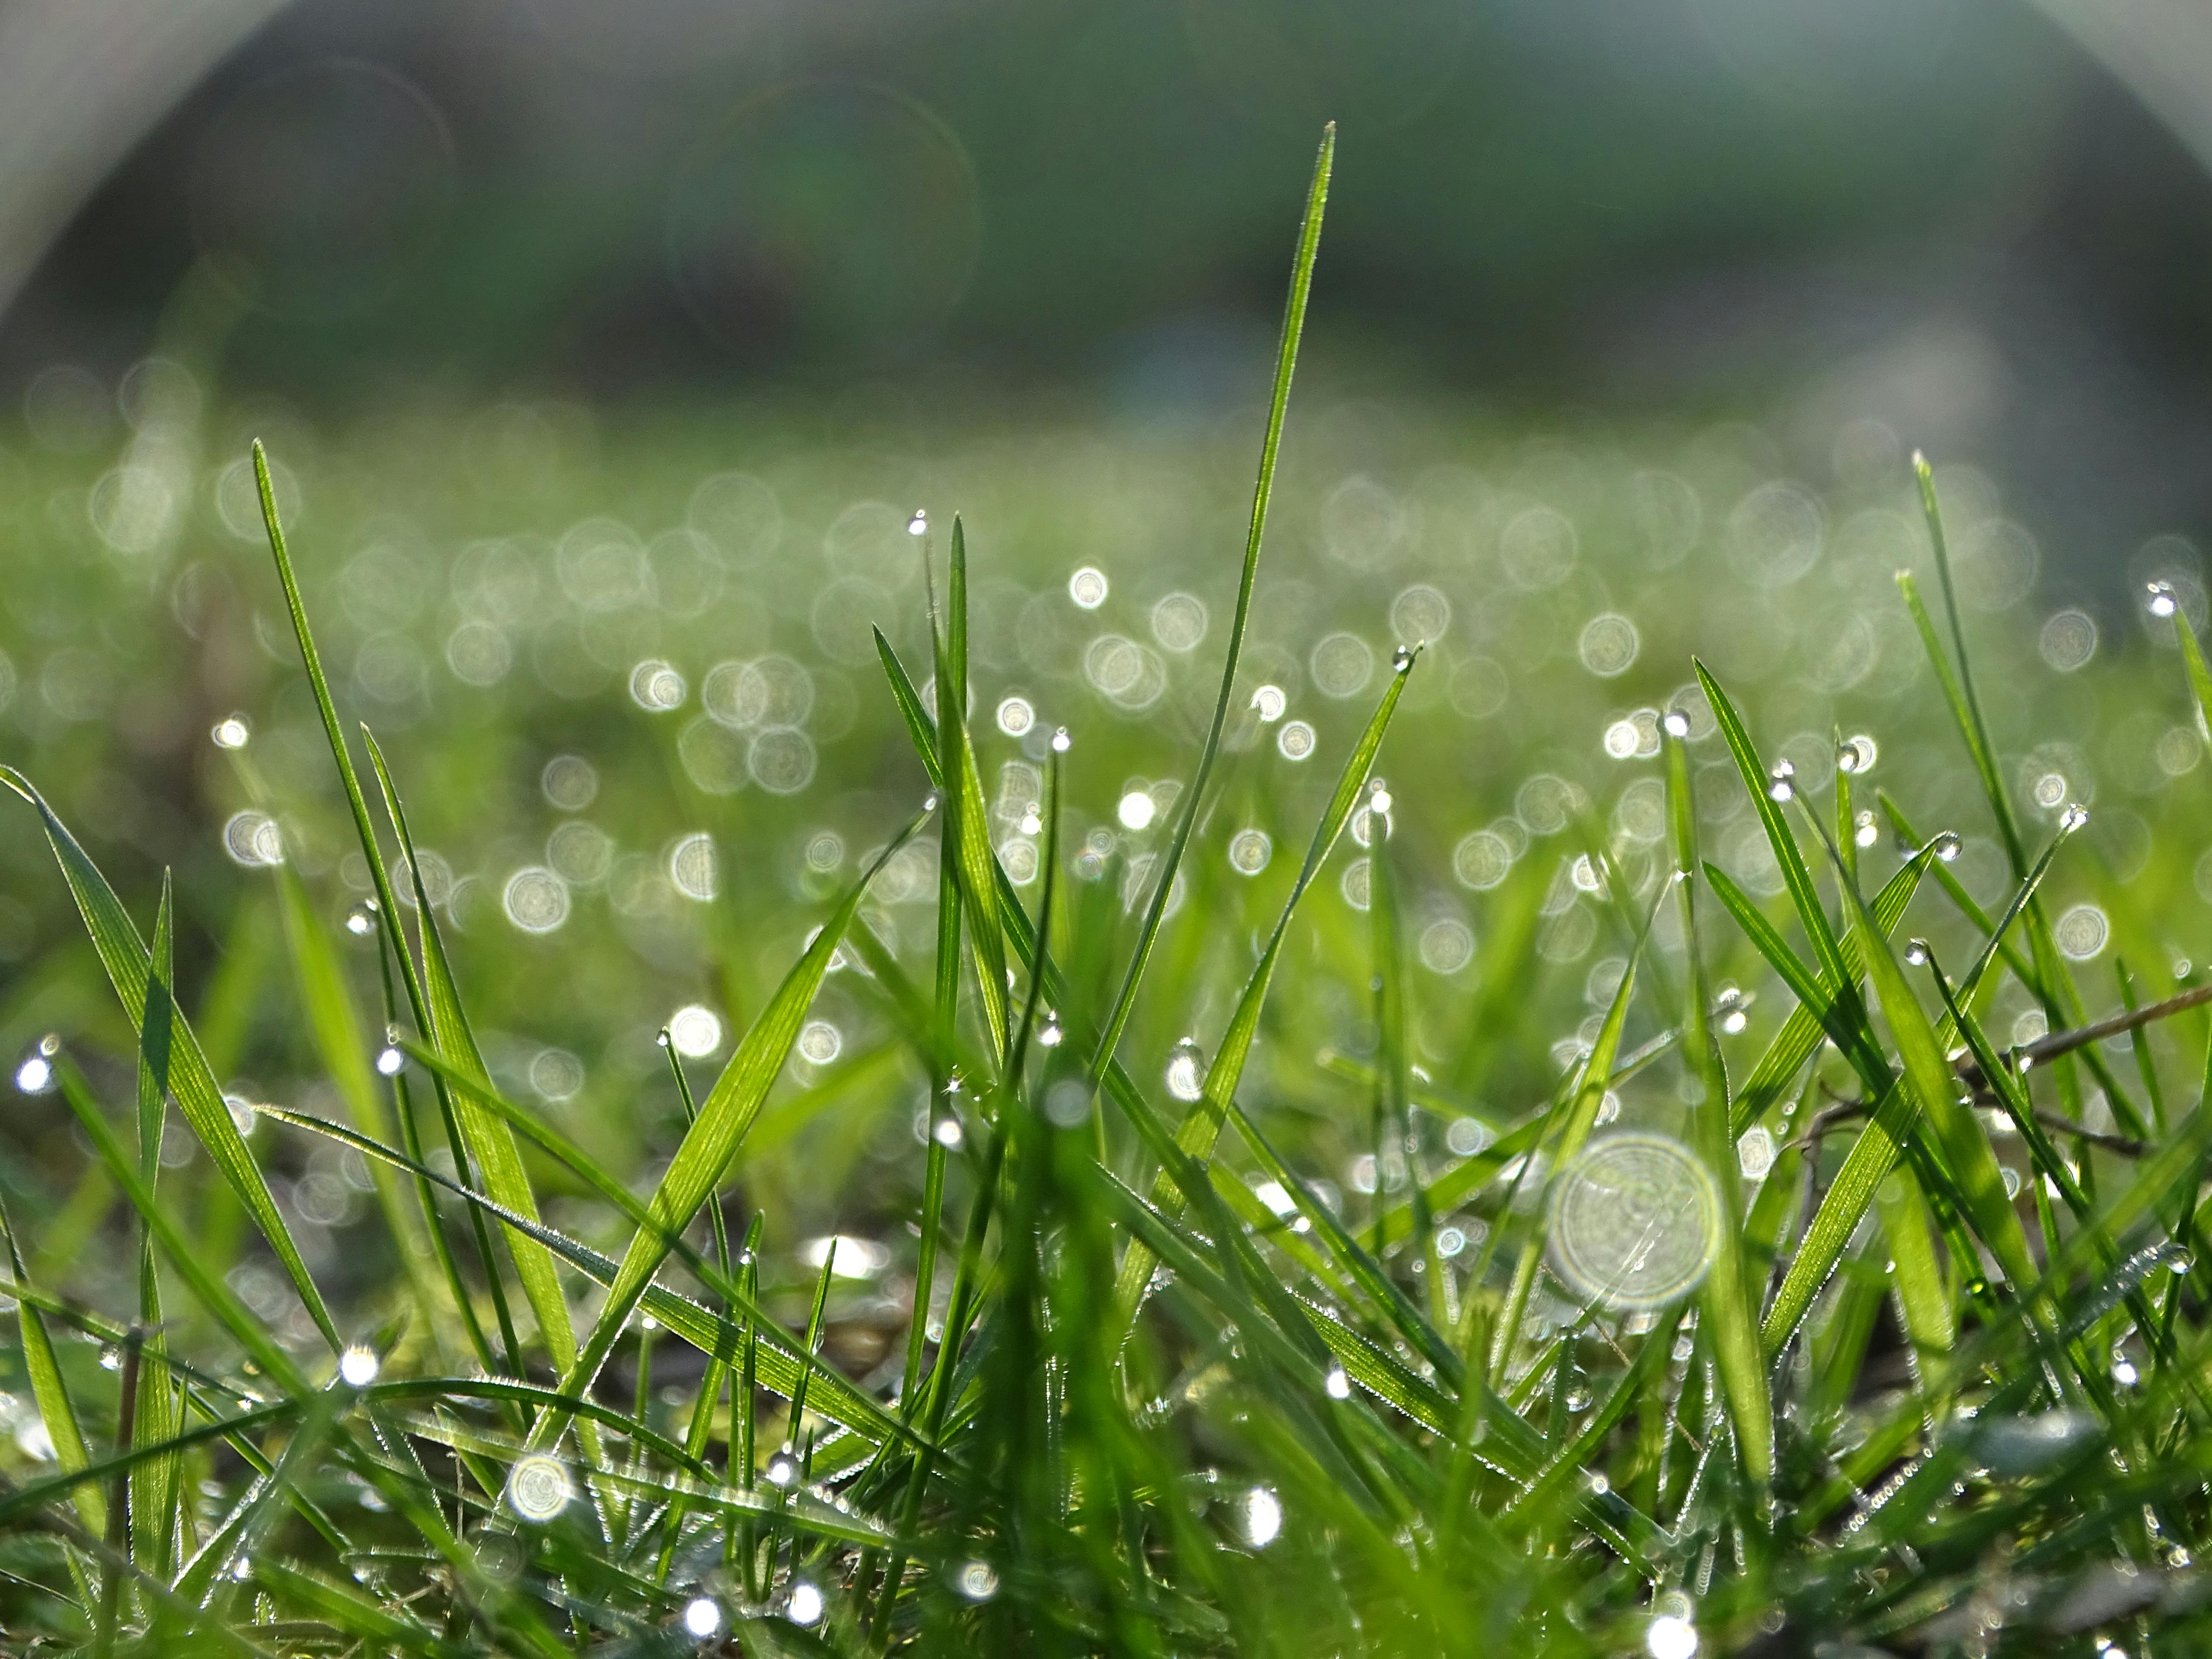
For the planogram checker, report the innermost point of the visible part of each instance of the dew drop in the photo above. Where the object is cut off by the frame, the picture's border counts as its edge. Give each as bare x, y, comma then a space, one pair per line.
1864, 830
702, 1617
1946, 845
358, 1366
1402, 658
391, 1062
360, 921
1677, 724
1916, 952
2073, 818
782, 1471
234, 732
2162, 600
1337, 1384
1060, 741
918, 525
1048, 1035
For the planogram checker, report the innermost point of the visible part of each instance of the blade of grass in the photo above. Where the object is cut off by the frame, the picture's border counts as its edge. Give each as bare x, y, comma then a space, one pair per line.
714, 1137
1201, 1127
125, 956
1729, 1313
1286, 356
56, 1412
155, 1416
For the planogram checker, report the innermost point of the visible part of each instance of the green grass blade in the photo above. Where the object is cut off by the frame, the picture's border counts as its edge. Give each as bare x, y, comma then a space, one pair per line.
1201, 1127
490, 1141
1802, 1031
1929, 1077
966, 826
56, 1412
213, 1294
1729, 1311
1795, 878
1286, 356
125, 956
344, 1051
711, 1332
714, 1138
157, 1414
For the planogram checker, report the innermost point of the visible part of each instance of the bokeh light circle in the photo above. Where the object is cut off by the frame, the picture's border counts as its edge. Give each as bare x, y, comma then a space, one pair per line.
1635, 1221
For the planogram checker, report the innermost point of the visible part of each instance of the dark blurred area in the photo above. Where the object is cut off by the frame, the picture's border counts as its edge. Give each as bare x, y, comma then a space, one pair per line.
1945, 215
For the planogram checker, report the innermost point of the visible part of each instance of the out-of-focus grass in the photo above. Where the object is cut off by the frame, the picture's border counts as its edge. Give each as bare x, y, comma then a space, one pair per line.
623, 670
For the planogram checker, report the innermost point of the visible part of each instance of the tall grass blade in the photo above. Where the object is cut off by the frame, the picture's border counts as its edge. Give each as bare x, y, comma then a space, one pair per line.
1729, 1313
715, 1136
490, 1142
1194, 794
1201, 1127
125, 956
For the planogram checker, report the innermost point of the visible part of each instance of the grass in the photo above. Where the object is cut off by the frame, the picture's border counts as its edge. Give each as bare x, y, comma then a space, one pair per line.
1269, 1268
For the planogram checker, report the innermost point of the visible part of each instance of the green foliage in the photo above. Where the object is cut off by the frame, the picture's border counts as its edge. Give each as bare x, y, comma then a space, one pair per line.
1148, 1380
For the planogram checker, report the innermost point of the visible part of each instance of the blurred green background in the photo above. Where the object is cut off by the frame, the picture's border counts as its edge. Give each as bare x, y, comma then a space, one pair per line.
606, 355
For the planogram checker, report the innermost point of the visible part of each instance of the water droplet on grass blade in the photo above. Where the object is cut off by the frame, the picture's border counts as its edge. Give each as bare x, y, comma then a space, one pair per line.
234, 732
1947, 846
806, 1605
1336, 1385
918, 524
2163, 601
702, 1617
977, 1581
358, 1366
35, 1075
391, 1062
1915, 953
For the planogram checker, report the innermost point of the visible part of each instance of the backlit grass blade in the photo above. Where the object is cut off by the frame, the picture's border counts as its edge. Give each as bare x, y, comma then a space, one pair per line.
1728, 1310
1872, 1154
1928, 1074
344, 1051
1957, 682
490, 1142
1201, 1127
1796, 878
1194, 794
217, 1297
2192, 657
125, 956
966, 827
715, 1136
1802, 1031
56, 1412
155, 1416
711, 1332
1573, 1131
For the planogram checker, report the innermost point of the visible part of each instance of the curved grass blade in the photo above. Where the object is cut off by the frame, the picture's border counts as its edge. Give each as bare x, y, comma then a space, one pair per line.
1201, 1128
715, 1136
125, 956
711, 1332
217, 1297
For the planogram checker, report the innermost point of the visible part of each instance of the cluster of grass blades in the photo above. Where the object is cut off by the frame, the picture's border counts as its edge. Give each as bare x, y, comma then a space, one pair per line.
1784, 1359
